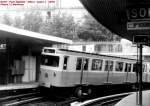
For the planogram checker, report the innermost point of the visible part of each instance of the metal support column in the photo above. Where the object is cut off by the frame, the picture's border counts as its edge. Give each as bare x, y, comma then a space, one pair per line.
82, 69
140, 76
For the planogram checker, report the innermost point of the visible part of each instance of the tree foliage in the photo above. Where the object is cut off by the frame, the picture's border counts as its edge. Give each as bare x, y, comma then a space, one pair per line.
18, 22
32, 21
7, 19
90, 29
59, 25
62, 26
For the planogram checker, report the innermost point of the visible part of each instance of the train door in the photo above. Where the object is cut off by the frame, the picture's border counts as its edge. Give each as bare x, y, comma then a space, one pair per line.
118, 74
148, 72
109, 70
144, 70
135, 72
132, 75
127, 72
82, 66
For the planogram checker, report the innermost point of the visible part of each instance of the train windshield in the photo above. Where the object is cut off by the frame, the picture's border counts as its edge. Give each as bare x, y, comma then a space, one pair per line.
50, 60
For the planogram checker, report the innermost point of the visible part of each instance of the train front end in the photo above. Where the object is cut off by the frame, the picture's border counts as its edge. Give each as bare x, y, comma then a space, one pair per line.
50, 70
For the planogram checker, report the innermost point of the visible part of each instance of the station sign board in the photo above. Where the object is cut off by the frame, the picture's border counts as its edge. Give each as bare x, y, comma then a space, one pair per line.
138, 17
141, 39
138, 25
138, 13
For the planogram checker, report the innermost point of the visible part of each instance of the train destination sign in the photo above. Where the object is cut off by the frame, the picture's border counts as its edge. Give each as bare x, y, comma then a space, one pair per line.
138, 13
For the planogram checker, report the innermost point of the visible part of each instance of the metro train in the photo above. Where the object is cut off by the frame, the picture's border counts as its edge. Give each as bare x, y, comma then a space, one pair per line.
67, 68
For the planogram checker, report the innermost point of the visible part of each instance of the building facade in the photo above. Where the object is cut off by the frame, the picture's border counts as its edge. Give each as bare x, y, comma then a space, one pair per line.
124, 48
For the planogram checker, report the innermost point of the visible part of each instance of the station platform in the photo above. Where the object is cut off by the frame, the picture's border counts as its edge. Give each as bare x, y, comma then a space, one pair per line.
19, 86
131, 100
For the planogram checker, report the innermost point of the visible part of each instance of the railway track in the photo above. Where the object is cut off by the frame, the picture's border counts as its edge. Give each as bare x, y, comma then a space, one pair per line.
54, 103
71, 100
104, 101
57, 101
37, 99
16, 100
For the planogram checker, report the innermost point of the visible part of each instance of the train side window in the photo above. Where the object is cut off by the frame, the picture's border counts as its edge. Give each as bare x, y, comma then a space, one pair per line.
108, 65
79, 63
97, 64
128, 67
119, 66
65, 62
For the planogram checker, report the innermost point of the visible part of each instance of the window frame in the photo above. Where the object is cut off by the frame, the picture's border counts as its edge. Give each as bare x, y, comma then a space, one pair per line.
100, 63
108, 65
81, 60
65, 63
127, 67
116, 62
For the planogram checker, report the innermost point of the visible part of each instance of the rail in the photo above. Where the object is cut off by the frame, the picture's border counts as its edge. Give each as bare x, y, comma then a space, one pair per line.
70, 100
16, 103
19, 99
102, 101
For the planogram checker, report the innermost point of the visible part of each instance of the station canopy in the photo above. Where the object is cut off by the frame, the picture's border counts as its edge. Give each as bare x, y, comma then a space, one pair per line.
21, 36
125, 18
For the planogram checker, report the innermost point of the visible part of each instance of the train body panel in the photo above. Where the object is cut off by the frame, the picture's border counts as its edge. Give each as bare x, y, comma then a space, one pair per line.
50, 77
71, 79
97, 78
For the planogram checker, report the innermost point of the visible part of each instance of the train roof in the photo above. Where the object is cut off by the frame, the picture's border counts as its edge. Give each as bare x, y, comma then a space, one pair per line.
96, 54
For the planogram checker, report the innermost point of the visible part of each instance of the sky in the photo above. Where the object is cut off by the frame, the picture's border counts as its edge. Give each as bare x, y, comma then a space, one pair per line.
50, 4
70, 3
77, 14
32, 6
